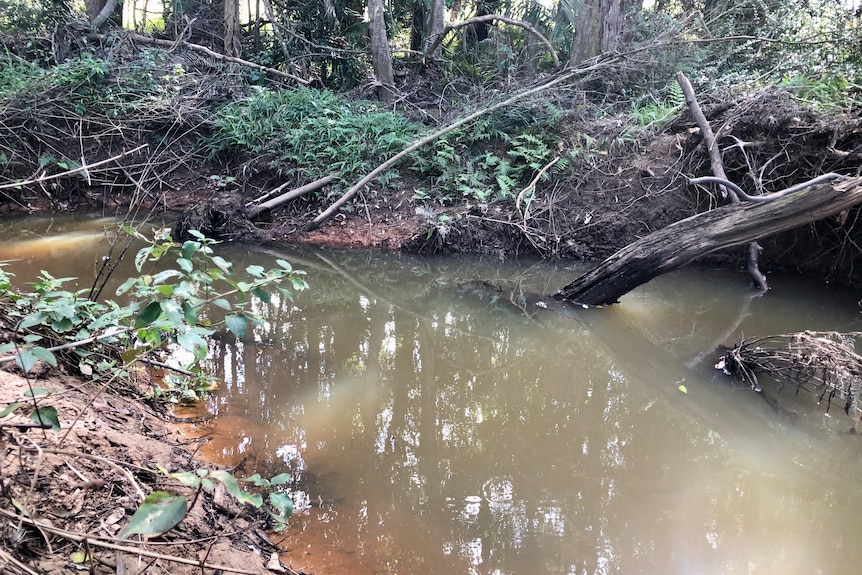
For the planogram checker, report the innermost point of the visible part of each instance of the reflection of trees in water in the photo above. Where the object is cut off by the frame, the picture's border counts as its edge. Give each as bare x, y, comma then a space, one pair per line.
458, 435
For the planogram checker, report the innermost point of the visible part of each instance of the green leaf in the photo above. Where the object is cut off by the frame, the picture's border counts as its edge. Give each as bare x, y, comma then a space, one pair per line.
173, 312
237, 324
193, 343
244, 286
232, 485
25, 360
281, 479
44, 355
10, 408
187, 478
132, 231
256, 271
7, 347
261, 294
142, 256
284, 264
36, 392
159, 513
126, 286
257, 480
189, 314
166, 275
282, 503
683, 389
47, 414
189, 249
186, 265
222, 264
150, 314
222, 303
36, 318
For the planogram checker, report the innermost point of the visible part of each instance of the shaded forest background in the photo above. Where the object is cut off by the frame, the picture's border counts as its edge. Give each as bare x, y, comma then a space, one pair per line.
236, 101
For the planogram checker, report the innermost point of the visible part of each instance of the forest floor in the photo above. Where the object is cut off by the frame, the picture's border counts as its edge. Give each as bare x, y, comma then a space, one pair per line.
89, 477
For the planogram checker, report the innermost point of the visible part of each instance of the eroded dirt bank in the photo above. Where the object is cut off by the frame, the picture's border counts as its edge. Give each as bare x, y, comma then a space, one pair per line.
68, 494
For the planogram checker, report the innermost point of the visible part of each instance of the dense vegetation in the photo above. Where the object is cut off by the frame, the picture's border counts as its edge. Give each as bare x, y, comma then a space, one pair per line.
73, 95
134, 105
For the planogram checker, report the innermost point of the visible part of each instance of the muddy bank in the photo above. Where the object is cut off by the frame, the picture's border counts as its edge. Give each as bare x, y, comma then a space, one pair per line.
68, 494
624, 189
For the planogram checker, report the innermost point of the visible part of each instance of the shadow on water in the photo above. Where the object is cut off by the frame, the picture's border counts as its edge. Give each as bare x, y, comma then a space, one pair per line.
435, 418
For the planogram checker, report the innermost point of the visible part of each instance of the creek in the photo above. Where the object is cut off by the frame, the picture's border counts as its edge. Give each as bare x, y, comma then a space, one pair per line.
436, 424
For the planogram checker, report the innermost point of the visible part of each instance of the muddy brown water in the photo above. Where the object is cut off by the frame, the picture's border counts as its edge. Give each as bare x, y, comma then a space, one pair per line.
433, 426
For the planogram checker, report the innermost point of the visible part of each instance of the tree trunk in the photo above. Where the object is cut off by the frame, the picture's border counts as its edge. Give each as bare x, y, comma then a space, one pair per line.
381, 57
100, 11
434, 23
232, 32
597, 30
727, 226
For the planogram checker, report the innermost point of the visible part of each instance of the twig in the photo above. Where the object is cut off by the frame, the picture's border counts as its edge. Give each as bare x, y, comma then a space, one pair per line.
84, 168
532, 186
490, 18
287, 196
204, 50
78, 538
125, 472
717, 166
7, 558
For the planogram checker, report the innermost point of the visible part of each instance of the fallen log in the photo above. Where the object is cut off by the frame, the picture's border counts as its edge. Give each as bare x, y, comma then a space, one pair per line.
727, 226
268, 205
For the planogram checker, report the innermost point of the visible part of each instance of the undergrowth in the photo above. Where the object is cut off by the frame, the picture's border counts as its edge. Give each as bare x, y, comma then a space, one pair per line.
166, 312
307, 134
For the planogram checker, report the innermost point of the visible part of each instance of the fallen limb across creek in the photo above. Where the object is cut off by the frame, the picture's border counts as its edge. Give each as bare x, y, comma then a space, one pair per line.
732, 225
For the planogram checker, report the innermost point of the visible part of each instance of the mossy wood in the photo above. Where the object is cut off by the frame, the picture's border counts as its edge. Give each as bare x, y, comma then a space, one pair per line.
680, 243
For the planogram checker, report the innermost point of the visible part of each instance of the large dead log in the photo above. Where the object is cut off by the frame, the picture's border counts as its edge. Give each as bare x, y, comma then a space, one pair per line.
732, 225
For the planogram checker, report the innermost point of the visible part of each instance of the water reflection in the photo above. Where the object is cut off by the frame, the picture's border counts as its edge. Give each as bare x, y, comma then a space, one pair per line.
433, 425
436, 423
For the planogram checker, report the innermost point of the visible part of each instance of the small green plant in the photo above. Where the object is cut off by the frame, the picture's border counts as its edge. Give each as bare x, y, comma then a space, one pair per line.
308, 133
829, 92
161, 511
170, 308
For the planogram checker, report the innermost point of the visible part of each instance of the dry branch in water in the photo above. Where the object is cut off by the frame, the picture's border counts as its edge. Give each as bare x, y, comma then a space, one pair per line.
824, 364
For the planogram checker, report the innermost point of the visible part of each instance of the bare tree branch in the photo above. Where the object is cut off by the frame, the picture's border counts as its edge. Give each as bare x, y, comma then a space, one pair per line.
490, 18
170, 44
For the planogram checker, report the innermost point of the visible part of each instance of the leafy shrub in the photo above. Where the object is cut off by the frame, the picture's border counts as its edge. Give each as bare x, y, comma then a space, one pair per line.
308, 133
170, 309
495, 157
